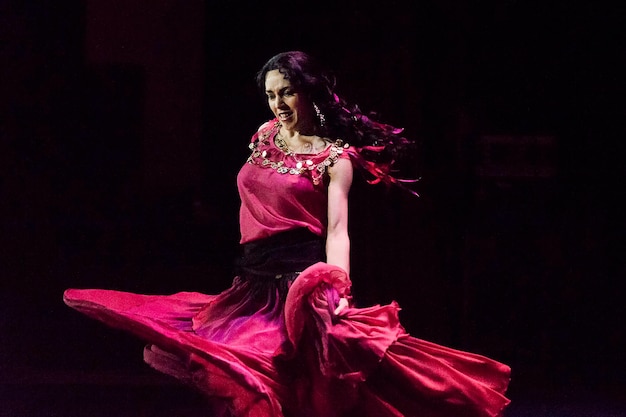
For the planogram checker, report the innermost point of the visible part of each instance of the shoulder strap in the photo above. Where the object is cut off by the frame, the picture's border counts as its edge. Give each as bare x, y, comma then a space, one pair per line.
265, 127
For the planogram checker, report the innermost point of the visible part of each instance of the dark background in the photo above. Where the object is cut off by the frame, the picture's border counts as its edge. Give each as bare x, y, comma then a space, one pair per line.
123, 125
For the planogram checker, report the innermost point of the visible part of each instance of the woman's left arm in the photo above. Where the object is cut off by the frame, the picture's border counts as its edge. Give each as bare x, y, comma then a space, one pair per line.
337, 239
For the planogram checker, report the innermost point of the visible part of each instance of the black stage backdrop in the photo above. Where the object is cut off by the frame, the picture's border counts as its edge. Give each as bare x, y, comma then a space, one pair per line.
124, 123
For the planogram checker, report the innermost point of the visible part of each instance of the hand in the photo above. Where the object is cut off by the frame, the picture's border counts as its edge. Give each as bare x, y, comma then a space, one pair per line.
343, 303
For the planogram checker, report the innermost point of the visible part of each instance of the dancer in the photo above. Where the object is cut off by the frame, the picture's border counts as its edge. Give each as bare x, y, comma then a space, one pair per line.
285, 339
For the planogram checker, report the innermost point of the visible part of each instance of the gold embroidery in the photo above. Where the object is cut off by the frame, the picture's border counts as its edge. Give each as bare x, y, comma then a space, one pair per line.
317, 170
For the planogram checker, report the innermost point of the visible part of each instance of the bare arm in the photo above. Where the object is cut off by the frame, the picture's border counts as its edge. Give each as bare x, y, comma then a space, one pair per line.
337, 239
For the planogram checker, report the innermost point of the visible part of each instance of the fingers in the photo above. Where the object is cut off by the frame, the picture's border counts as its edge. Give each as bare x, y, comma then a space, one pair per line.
343, 303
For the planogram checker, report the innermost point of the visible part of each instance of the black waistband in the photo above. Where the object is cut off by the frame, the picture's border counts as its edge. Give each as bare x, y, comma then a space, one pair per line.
284, 253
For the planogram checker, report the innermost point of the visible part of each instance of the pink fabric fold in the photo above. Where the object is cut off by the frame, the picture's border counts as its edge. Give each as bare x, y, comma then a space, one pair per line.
350, 344
267, 357
241, 376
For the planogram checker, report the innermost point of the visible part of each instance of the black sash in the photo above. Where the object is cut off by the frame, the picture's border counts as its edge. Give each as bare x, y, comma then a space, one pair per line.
286, 253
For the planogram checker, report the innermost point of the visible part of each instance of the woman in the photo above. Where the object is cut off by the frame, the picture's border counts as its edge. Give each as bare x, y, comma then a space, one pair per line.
284, 339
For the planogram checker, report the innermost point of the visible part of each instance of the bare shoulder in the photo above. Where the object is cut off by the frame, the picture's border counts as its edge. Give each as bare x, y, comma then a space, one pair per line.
341, 170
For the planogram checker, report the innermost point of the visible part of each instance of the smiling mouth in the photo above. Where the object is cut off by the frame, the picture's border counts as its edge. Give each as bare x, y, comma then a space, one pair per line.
285, 115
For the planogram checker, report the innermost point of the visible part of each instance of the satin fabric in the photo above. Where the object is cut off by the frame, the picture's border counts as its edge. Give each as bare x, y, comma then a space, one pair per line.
271, 345
266, 356
273, 200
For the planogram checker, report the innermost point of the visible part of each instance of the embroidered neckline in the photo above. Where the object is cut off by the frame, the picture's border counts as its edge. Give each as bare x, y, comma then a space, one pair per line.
281, 144
304, 163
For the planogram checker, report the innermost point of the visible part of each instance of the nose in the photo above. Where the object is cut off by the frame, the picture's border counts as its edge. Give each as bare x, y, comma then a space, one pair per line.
278, 101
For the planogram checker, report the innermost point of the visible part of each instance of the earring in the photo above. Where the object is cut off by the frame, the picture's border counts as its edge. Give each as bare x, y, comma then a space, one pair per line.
320, 115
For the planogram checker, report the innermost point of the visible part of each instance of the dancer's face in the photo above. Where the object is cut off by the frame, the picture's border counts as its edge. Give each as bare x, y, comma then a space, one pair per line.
290, 106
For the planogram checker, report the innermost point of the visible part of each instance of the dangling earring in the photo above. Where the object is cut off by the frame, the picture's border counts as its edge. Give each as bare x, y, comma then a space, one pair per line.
320, 115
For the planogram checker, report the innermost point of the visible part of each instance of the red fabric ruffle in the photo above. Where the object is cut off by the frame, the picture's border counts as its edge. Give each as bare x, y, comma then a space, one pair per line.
264, 357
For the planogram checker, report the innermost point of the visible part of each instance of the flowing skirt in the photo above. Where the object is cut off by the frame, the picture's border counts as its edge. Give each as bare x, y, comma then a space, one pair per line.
259, 354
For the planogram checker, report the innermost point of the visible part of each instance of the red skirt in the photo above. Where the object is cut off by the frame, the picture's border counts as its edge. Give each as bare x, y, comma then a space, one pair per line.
259, 355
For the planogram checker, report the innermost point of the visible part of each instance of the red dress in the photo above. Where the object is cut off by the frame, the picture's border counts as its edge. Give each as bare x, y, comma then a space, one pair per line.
273, 356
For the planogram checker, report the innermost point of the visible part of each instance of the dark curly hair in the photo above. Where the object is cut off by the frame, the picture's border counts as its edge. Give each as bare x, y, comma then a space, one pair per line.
379, 145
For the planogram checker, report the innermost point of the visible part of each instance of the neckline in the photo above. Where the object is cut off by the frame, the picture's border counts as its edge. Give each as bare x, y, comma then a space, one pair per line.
291, 153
